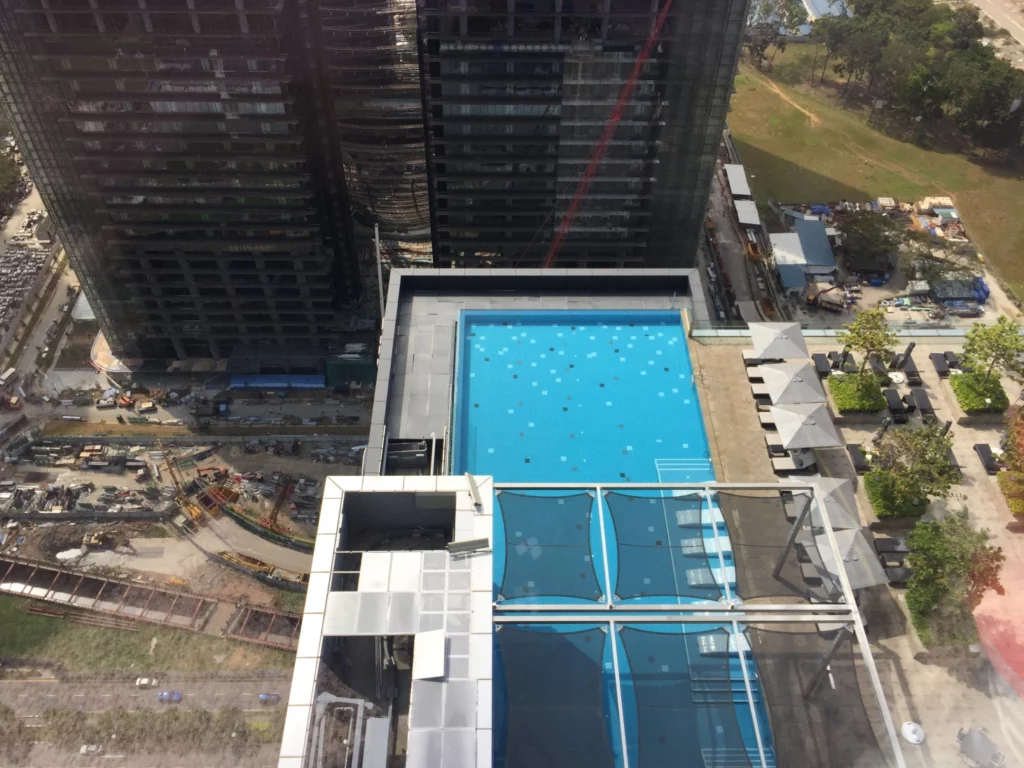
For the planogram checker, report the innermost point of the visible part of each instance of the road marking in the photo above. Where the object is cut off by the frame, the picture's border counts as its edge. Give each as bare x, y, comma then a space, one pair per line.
107, 695
78, 696
51, 695
23, 695
216, 694
190, 694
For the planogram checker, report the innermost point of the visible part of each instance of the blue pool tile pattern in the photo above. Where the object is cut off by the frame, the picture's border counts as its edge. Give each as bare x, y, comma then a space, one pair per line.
602, 397
561, 396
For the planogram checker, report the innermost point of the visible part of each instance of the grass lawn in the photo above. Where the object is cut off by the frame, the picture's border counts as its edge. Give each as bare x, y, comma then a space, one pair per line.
799, 145
150, 650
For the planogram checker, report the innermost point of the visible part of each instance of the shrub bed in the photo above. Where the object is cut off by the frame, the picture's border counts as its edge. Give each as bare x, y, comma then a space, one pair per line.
856, 393
888, 496
972, 391
1012, 486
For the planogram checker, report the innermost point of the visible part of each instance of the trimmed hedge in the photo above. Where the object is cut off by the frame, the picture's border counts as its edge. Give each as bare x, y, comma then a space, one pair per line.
971, 392
1012, 486
888, 498
857, 393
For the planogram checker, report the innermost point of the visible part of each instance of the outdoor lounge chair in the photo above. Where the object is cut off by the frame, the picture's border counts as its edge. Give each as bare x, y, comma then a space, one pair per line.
879, 369
754, 373
811, 574
891, 546
909, 402
821, 364
749, 359
951, 359
951, 457
988, 459
836, 357
896, 407
898, 577
924, 405
767, 420
941, 366
759, 390
786, 466
771, 440
909, 368
859, 459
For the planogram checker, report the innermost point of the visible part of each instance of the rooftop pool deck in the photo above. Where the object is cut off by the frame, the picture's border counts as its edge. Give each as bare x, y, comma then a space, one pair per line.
602, 397
550, 396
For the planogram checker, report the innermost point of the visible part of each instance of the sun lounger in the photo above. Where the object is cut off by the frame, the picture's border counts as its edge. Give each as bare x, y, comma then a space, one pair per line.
811, 574
909, 368
952, 360
754, 373
909, 402
821, 364
898, 577
859, 459
924, 405
767, 420
940, 364
988, 459
786, 465
771, 440
759, 390
879, 369
836, 357
891, 546
896, 407
749, 358
951, 458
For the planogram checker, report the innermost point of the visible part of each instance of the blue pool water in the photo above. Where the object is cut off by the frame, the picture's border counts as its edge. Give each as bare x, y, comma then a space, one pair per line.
600, 397
578, 397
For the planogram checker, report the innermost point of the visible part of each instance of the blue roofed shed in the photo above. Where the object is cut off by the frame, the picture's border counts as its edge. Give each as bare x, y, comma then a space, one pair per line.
802, 253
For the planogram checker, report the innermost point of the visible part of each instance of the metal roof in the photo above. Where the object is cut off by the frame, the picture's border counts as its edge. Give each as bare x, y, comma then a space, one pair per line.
746, 212
737, 177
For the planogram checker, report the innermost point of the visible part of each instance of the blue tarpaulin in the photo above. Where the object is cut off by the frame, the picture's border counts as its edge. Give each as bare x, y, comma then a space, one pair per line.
276, 381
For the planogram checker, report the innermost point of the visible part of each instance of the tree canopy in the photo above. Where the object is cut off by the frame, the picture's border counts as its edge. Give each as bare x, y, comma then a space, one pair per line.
918, 460
924, 60
999, 345
869, 334
768, 21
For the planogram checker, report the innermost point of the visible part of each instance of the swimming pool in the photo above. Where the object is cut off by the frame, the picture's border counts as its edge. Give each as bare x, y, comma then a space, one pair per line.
577, 397
601, 397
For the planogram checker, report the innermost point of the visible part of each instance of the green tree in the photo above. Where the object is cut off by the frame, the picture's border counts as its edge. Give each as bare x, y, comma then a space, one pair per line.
869, 334
951, 561
766, 19
830, 31
869, 235
918, 460
999, 345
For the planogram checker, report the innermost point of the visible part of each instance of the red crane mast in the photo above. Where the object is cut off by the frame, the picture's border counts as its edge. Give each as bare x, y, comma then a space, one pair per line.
606, 136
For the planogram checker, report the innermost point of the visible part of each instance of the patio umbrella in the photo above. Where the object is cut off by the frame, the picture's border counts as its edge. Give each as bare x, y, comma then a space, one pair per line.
789, 383
782, 341
858, 558
836, 497
805, 426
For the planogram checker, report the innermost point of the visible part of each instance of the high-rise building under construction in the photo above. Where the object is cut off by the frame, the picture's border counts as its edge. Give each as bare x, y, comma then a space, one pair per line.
215, 168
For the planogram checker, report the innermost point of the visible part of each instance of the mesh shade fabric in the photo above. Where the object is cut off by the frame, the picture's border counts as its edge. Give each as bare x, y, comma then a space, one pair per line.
758, 530
831, 729
547, 546
660, 546
555, 693
685, 693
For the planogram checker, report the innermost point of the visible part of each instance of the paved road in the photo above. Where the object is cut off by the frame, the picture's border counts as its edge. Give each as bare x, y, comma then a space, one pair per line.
1006, 15
32, 698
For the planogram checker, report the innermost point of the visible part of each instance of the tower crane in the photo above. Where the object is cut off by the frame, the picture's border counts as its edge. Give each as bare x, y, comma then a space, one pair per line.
606, 136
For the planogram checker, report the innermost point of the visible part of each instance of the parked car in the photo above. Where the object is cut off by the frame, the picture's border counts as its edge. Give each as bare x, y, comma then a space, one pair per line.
269, 699
146, 682
90, 749
169, 697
